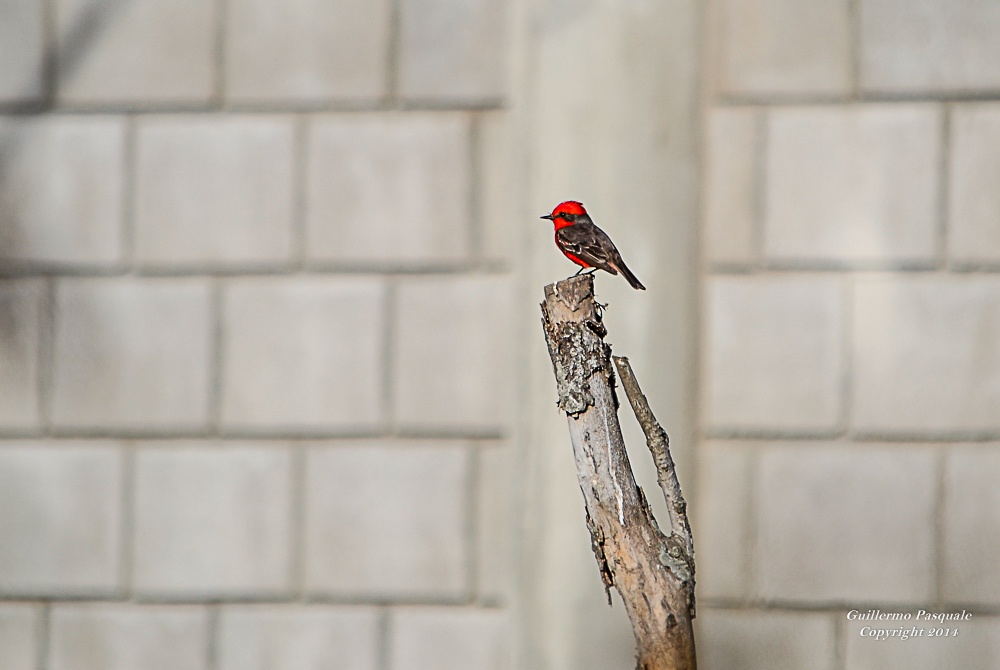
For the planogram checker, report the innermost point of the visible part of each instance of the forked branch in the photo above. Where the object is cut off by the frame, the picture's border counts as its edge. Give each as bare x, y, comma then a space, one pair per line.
653, 572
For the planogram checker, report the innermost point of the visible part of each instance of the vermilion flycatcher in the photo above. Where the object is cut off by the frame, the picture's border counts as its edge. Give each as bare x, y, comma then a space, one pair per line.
585, 244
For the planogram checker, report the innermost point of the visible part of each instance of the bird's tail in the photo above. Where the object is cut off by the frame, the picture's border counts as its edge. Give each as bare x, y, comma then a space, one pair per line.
629, 277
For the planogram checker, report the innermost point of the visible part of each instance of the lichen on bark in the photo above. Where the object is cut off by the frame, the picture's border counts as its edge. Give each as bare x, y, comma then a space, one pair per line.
576, 347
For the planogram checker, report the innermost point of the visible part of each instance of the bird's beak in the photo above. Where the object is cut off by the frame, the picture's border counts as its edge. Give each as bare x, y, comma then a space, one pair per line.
548, 216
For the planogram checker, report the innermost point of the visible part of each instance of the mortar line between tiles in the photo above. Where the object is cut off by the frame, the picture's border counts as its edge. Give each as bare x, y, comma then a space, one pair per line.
219, 79
474, 159
298, 521
130, 186
940, 493
383, 655
50, 63
46, 354
212, 637
750, 525
391, 98
854, 56
129, 456
840, 642
43, 640
472, 526
760, 181
216, 361
944, 186
847, 289
390, 323
300, 191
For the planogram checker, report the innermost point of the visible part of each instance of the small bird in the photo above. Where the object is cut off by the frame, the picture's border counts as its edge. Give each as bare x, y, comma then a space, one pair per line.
585, 244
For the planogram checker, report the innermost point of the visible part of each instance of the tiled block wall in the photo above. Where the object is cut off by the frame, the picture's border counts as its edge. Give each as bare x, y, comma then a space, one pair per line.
851, 322
256, 332
255, 356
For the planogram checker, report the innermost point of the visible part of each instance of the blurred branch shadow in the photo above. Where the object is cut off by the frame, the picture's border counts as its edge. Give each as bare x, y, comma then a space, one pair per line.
64, 53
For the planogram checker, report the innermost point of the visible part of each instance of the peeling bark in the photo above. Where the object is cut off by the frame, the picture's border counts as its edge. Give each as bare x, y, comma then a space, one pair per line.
653, 572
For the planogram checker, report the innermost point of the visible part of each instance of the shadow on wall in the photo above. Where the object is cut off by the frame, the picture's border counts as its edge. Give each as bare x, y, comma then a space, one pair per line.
18, 322
24, 210
61, 60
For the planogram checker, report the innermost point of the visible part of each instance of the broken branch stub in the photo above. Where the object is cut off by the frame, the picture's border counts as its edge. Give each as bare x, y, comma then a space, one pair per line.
652, 572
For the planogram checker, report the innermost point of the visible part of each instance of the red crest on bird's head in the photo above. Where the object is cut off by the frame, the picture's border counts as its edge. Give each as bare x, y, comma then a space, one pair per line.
569, 207
566, 214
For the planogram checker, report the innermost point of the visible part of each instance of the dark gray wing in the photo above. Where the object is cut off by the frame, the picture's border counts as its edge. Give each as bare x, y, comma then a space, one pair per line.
590, 244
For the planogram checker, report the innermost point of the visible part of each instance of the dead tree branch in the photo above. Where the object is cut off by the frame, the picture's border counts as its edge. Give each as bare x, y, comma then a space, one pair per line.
653, 573
681, 541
